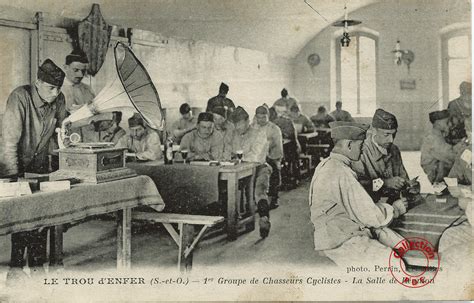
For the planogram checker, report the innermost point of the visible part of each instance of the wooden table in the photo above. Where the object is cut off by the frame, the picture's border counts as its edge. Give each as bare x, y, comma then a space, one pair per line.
428, 219
54, 209
241, 206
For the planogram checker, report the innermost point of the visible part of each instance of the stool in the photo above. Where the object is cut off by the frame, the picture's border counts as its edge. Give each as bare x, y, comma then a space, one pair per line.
184, 238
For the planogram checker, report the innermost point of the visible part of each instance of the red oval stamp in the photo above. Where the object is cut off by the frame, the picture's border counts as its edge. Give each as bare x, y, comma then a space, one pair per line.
422, 259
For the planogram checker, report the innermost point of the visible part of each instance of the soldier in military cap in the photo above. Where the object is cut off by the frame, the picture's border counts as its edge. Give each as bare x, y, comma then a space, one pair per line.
380, 168
203, 143
253, 144
32, 114
143, 142
437, 156
346, 220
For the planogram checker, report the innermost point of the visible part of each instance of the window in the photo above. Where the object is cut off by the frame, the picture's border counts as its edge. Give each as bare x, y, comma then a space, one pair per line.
456, 62
356, 74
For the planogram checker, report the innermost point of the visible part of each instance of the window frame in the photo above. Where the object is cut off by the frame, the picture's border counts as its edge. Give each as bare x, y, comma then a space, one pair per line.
445, 37
355, 35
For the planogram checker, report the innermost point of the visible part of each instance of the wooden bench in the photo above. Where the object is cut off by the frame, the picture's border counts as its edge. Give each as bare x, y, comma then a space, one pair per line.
184, 238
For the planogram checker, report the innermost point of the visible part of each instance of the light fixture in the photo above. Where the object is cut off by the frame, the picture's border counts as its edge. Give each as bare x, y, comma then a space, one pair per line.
345, 40
398, 53
403, 55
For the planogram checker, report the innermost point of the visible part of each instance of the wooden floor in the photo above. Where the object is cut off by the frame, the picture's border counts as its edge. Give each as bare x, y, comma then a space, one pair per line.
91, 245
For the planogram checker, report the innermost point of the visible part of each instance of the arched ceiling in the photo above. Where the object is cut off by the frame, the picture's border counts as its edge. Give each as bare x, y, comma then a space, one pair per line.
280, 27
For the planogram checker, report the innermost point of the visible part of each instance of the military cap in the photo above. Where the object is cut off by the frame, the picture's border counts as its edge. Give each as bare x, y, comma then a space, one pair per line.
438, 115
384, 120
239, 114
262, 109
184, 108
136, 120
223, 87
205, 116
348, 130
50, 73
77, 55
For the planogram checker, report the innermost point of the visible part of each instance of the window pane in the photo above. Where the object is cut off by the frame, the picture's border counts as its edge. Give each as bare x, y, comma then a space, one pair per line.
367, 58
458, 47
349, 77
459, 70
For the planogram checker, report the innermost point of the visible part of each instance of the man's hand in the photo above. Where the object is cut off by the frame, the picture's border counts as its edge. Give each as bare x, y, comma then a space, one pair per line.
400, 207
394, 183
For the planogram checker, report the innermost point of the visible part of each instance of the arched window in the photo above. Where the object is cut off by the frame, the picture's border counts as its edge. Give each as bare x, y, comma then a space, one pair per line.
455, 61
356, 70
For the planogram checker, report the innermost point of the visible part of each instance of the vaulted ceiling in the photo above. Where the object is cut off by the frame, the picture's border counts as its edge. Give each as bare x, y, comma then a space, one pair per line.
280, 27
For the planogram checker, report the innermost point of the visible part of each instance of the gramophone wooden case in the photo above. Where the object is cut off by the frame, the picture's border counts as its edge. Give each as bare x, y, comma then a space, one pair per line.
92, 165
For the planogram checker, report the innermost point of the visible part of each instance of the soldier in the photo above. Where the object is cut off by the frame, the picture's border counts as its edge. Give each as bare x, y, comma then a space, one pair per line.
143, 141
223, 126
221, 100
341, 115
301, 122
346, 220
275, 151
380, 168
248, 141
31, 116
437, 156
184, 125
203, 143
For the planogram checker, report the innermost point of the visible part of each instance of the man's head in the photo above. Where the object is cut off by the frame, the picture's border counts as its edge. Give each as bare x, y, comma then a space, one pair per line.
295, 111
185, 111
109, 122
50, 80
321, 110
223, 89
338, 105
348, 138
136, 126
465, 89
440, 119
385, 127
284, 93
240, 118
76, 66
205, 125
262, 115
219, 114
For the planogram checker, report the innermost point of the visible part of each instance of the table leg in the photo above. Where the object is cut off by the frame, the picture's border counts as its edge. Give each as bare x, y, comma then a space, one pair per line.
251, 200
186, 236
124, 234
56, 246
232, 200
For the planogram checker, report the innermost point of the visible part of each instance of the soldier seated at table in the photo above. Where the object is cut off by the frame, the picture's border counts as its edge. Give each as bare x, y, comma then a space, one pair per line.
437, 156
184, 125
456, 243
462, 167
203, 143
301, 122
292, 149
322, 118
223, 126
107, 127
380, 168
275, 150
143, 142
346, 220
459, 109
253, 145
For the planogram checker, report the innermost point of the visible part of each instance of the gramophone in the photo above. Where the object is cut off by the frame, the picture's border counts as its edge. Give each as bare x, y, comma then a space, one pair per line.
99, 162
